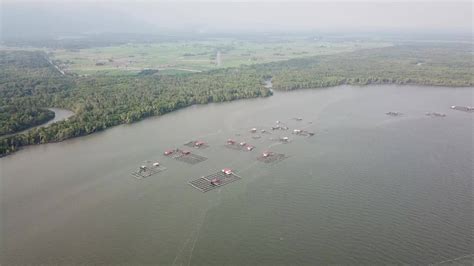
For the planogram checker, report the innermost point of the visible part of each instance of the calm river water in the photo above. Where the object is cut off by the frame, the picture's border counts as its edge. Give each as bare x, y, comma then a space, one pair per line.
366, 189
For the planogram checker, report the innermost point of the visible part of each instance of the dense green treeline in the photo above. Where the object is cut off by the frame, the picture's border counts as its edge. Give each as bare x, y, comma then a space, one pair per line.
28, 81
14, 119
100, 102
438, 65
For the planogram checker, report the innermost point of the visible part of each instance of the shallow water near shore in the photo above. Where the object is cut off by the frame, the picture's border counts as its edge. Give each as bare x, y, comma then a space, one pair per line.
367, 188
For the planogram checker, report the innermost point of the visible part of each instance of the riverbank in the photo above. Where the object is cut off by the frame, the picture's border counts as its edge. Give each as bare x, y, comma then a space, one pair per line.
59, 115
267, 84
103, 101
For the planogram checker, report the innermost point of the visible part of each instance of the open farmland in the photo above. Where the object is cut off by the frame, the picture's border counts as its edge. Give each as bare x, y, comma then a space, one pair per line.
194, 56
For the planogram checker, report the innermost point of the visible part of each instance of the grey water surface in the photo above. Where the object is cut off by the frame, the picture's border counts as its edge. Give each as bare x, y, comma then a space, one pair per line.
367, 188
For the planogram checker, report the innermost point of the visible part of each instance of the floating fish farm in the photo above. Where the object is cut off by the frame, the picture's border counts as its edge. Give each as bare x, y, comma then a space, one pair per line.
284, 140
197, 144
147, 170
468, 109
280, 127
301, 132
271, 157
213, 181
185, 156
239, 146
394, 113
435, 114
225, 176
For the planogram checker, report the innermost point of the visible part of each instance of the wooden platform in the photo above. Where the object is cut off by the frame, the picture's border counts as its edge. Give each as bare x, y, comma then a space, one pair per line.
394, 114
279, 127
190, 158
192, 144
303, 133
272, 158
463, 108
150, 170
435, 114
203, 184
281, 140
238, 147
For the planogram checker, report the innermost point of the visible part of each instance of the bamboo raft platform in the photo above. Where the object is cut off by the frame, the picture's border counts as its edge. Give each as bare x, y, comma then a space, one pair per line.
197, 144
186, 156
148, 171
205, 184
271, 157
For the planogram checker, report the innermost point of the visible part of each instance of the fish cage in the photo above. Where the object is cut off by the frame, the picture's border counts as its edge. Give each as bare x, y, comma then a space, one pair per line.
283, 140
468, 109
197, 144
186, 156
271, 157
435, 114
394, 114
280, 127
239, 146
301, 132
213, 181
147, 170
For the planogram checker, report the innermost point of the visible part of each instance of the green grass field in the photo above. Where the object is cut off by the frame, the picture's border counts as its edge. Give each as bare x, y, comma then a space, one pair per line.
194, 56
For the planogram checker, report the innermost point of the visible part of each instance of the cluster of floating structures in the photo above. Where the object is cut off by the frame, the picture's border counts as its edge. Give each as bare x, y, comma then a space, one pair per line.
468, 109
226, 175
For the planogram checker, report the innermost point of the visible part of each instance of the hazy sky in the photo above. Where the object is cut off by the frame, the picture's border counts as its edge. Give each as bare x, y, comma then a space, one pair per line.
76, 16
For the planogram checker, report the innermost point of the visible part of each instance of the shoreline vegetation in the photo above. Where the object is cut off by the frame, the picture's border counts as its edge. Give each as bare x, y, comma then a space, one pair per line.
13, 121
28, 80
